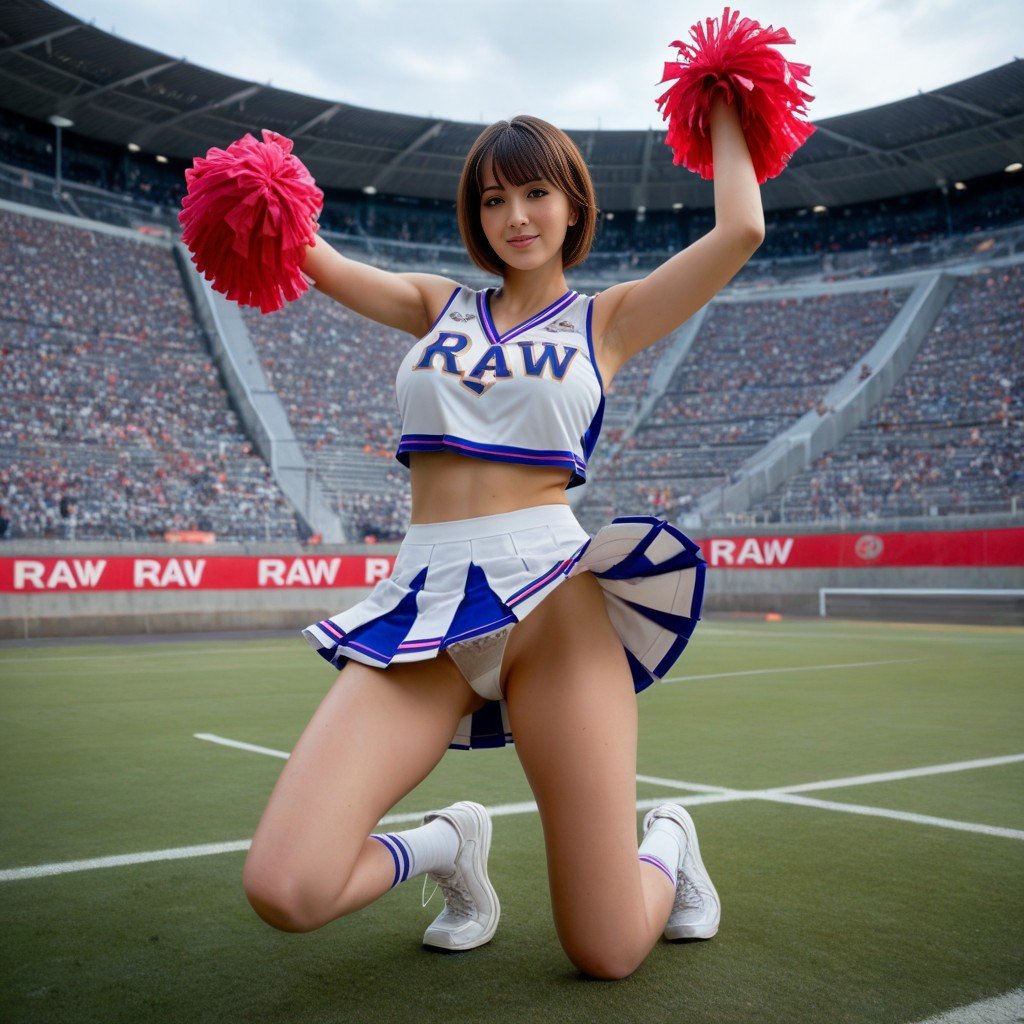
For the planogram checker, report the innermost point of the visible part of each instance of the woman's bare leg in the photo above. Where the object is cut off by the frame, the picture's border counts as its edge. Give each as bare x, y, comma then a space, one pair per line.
573, 714
375, 736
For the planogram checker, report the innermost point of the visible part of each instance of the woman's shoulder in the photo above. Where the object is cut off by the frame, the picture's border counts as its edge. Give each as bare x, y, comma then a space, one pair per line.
436, 288
437, 293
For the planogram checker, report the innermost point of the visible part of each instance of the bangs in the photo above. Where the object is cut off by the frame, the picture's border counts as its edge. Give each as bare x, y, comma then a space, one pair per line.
516, 160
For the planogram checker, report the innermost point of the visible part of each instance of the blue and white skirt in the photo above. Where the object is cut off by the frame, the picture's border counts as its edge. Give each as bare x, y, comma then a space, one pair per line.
465, 578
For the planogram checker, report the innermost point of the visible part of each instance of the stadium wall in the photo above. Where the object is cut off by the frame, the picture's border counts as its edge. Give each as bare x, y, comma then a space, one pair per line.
74, 589
58, 611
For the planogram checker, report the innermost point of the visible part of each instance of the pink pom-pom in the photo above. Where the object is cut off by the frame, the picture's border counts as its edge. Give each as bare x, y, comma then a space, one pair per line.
736, 61
248, 218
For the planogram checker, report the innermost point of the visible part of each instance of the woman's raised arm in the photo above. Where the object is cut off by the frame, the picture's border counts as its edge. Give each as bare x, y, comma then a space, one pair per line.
631, 316
410, 302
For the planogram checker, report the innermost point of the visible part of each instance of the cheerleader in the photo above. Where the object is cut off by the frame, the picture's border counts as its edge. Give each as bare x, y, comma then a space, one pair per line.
503, 620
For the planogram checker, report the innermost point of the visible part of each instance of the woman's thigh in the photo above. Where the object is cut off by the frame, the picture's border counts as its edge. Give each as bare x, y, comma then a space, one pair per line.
376, 734
573, 713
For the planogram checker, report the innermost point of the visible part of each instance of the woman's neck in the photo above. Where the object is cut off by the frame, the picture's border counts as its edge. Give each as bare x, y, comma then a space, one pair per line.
524, 290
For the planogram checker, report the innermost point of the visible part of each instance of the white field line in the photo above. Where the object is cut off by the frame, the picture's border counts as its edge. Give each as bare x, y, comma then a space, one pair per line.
711, 795
848, 781
207, 849
239, 745
885, 812
792, 668
787, 794
138, 668
893, 632
907, 773
1005, 1009
137, 650
697, 787
66, 867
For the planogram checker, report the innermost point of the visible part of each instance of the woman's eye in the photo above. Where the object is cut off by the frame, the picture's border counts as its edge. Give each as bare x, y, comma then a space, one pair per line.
540, 190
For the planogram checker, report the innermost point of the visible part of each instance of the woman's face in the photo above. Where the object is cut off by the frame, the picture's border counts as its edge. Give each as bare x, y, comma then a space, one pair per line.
538, 212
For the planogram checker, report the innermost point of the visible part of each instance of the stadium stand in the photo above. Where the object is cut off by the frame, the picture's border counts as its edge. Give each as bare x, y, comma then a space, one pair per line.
754, 368
859, 239
115, 423
118, 425
334, 371
950, 440
169, 453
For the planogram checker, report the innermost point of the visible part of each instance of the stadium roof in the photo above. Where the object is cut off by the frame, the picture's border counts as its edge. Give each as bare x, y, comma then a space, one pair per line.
113, 90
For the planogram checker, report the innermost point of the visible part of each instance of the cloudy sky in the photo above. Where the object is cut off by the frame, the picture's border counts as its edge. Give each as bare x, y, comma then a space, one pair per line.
576, 63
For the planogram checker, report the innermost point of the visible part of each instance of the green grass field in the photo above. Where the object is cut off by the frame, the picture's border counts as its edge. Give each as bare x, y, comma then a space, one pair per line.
886, 899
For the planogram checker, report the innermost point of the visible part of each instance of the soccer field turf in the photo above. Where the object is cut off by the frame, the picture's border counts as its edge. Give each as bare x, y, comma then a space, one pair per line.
857, 788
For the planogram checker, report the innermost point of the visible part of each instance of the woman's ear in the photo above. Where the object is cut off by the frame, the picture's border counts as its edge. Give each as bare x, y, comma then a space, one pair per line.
574, 216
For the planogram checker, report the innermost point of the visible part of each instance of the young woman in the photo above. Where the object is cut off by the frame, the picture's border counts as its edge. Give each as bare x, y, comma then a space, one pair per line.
503, 617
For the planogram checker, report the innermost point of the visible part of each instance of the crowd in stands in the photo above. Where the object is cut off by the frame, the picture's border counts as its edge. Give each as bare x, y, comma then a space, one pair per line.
754, 368
115, 421
117, 425
950, 437
335, 373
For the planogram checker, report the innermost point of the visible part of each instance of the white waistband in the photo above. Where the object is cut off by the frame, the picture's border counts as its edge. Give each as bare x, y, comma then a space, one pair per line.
488, 526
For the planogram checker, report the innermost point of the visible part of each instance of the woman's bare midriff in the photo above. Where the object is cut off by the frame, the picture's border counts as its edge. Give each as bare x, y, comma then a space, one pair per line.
447, 486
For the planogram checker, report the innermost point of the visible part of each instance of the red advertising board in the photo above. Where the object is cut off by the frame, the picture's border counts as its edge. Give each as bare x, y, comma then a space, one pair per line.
201, 572
30, 575
860, 550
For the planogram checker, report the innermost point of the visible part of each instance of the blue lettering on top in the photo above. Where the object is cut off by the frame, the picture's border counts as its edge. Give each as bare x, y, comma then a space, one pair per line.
548, 357
446, 351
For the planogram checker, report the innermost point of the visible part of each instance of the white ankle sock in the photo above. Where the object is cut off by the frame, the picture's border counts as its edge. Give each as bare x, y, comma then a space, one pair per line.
431, 847
663, 846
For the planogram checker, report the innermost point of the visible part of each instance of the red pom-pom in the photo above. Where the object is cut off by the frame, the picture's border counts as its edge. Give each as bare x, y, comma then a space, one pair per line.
737, 61
248, 217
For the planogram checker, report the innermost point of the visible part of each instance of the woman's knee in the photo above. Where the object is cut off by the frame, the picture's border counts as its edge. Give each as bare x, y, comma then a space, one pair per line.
605, 960
283, 900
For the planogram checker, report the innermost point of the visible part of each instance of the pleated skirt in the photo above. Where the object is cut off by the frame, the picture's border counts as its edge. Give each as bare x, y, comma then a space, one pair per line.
464, 578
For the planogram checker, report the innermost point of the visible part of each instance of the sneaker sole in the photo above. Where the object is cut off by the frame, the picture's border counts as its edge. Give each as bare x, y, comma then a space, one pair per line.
685, 931
443, 940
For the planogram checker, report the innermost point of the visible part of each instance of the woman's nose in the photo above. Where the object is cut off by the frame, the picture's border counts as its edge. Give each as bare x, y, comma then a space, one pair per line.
517, 213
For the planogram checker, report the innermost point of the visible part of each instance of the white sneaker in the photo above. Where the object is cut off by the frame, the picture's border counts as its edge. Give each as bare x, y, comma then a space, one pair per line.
471, 911
697, 910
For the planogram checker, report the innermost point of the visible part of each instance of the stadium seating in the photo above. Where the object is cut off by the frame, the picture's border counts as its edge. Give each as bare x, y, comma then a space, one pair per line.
334, 371
113, 404
950, 439
111, 401
754, 368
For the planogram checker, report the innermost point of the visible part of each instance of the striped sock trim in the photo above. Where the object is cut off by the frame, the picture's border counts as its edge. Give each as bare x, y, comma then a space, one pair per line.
648, 859
400, 854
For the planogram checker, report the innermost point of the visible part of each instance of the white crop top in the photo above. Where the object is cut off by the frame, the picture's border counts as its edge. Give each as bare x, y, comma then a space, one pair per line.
533, 395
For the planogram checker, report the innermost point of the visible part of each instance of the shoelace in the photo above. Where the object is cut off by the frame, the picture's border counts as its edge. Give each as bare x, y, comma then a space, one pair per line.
688, 895
424, 898
456, 895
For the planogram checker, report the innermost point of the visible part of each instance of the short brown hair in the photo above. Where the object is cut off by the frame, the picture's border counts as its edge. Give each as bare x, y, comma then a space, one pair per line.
522, 150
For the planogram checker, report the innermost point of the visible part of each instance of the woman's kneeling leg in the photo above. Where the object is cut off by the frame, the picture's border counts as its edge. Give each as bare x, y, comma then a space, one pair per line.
573, 714
374, 737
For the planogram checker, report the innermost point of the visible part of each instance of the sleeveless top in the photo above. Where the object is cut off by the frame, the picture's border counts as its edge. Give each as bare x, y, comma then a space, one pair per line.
533, 395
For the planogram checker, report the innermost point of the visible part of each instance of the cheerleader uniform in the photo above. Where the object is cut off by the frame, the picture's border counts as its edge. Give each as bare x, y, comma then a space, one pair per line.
534, 396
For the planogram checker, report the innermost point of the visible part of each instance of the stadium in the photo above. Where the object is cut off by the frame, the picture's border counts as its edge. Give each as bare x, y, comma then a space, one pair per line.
185, 483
